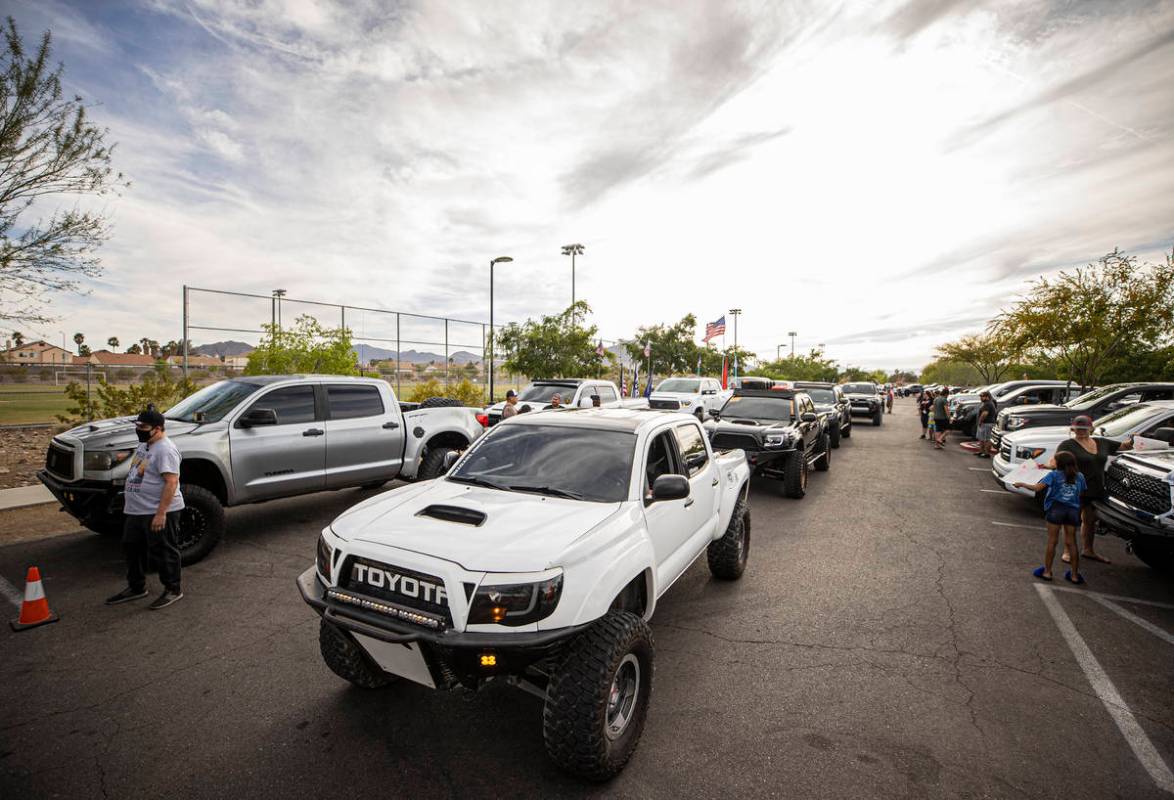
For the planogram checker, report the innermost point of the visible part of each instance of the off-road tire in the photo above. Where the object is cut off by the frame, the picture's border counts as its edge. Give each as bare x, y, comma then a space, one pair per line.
824, 462
442, 402
834, 435
795, 475
1155, 555
433, 464
575, 717
878, 418
848, 433
727, 556
347, 660
700, 414
201, 523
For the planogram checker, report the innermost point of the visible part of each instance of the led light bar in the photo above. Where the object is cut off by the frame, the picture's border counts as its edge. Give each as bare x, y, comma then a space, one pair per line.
391, 610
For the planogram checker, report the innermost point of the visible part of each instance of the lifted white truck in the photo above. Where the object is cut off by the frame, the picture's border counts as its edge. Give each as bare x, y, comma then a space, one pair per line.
572, 392
532, 566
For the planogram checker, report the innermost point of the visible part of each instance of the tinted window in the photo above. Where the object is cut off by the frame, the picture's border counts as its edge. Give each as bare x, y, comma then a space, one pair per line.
692, 448
1158, 394
773, 408
607, 394
348, 402
859, 388
684, 385
821, 395
1122, 421
661, 460
534, 458
212, 402
542, 392
293, 404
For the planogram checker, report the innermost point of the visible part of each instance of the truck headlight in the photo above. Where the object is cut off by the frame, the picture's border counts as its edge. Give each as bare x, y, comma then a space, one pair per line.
325, 557
104, 460
515, 604
775, 439
686, 403
1015, 423
1029, 453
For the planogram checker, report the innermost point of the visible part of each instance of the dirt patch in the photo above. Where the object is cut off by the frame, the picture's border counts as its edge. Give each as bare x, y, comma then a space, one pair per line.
35, 522
22, 453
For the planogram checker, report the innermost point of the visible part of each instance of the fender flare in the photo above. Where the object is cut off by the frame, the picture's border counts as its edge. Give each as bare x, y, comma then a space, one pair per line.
633, 561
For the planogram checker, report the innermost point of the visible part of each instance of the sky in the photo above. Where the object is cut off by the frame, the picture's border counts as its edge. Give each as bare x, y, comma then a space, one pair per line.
877, 177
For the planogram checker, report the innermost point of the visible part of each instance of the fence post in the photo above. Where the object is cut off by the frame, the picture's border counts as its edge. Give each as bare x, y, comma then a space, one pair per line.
446, 353
185, 332
89, 402
398, 393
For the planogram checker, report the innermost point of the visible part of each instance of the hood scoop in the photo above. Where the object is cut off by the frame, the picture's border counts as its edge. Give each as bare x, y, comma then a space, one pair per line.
744, 422
462, 516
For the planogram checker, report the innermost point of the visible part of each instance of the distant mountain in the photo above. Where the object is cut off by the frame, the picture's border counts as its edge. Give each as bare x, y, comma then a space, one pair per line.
367, 353
229, 348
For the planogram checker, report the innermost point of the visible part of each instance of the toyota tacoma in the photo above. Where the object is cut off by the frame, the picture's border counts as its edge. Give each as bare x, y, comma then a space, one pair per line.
865, 400
832, 404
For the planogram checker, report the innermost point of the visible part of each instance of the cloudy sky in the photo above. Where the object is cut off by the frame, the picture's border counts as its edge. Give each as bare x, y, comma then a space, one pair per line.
878, 177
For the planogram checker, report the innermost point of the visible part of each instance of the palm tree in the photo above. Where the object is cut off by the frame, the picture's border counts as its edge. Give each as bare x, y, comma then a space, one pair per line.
78, 338
112, 342
17, 338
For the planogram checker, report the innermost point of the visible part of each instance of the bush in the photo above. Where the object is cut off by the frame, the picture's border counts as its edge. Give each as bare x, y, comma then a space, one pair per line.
157, 389
469, 393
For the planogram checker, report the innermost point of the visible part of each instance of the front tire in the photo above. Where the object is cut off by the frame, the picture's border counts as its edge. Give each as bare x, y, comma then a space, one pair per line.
433, 464
795, 475
878, 418
834, 435
201, 523
727, 556
597, 700
848, 433
824, 462
347, 660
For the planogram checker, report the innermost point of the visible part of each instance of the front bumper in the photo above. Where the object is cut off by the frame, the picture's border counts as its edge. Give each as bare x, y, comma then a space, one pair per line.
453, 657
1130, 523
84, 499
865, 410
1001, 467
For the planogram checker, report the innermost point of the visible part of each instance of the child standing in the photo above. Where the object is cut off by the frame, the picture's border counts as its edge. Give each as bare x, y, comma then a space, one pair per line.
1064, 486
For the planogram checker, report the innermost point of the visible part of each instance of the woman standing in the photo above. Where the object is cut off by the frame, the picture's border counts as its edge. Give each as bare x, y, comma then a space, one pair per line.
924, 402
1091, 457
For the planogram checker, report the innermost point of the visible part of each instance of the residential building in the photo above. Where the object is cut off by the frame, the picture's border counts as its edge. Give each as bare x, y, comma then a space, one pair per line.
106, 358
38, 352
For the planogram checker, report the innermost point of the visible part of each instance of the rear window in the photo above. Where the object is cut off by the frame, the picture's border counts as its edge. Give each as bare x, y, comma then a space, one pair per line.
349, 402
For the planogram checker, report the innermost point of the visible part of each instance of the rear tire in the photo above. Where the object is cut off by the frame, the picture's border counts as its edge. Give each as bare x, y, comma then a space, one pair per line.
727, 556
347, 660
597, 700
848, 433
442, 402
795, 475
201, 523
824, 462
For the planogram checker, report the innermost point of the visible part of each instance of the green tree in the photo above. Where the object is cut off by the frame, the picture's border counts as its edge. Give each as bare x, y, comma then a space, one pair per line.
1087, 317
78, 338
306, 347
711, 360
952, 373
159, 389
83, 350
552, 346
810, 367
674, 351
992, 353
135, 349
18, 338
855, 374
48, 149
112, 343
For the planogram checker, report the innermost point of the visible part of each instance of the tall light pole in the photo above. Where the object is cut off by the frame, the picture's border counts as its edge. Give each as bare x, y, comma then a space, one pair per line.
737, 312
277, 295
792, 334
498, 260
778, 347
572, 250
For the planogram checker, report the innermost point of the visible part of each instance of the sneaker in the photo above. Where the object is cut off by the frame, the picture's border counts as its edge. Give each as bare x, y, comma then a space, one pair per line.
125, 596
164, 600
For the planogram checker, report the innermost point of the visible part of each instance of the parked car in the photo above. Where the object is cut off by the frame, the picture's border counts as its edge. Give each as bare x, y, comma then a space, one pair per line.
528, 567
696, 396
866, 400
1139, 503
831, 403
1094, 404
574, 393
782, 433
1032, 393
252, 439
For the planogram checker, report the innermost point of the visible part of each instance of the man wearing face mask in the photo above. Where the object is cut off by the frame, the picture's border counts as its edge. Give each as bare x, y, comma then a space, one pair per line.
153, 506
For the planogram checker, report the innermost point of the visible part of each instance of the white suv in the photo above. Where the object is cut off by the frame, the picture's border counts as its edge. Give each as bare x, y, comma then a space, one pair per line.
696, 396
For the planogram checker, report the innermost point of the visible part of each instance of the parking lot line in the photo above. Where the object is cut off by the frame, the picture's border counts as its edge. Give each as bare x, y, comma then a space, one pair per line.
979, 469
9, 591
1136, 620
1134, 735
1119, 598
1000, 491
1017, 525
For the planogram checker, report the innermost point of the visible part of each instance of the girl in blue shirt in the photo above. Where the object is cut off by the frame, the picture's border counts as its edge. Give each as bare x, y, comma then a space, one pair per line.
1064, 485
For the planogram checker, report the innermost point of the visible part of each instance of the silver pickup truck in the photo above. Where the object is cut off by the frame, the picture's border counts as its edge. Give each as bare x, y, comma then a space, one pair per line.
252, 439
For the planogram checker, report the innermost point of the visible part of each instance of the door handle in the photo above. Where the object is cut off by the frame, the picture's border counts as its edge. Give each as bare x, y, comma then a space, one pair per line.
715, 482
314, 432
689, 502
391, 425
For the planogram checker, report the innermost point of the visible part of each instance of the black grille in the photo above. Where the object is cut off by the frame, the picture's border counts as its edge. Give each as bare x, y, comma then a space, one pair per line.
1143, 492
1005, 450
402, 594
59, 461
664, 405
997, 442
735, 441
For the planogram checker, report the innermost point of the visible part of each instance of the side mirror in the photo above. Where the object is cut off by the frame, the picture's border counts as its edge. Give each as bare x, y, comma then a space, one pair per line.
450, 458
715, 413
258, 416
670, 487
1164, 434
809, 416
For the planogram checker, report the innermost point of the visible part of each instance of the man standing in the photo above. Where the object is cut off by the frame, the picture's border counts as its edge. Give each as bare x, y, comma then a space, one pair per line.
153, 507
941, 418
511, 405
986, 423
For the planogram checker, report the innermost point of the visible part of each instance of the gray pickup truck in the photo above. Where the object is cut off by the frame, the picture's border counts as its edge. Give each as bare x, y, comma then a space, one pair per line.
252, 439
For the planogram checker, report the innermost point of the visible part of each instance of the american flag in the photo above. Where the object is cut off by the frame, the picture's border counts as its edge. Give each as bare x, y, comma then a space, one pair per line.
623, 382
713, 329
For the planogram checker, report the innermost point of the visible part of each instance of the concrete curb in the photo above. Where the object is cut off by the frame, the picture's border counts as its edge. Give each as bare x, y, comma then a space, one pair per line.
25, 496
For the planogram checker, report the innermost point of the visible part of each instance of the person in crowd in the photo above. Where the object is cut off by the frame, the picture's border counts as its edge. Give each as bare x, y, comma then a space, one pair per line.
941, 418
889, 399
924, 405
525, 409
1092, 454
987, 411
556, 401
596, 401
1064, 485
152, 507
511, 405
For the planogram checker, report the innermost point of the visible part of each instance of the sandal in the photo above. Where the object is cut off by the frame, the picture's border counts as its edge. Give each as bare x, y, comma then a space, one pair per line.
1039, 573
1079, 580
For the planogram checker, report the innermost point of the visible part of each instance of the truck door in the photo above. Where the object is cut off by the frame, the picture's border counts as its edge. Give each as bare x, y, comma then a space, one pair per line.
703, 478
282, 459
668, 521
364, 438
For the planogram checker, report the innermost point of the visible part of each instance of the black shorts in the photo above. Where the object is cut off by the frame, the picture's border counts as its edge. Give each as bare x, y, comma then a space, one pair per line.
1086, 499
941, 423
1060, 514
925, 419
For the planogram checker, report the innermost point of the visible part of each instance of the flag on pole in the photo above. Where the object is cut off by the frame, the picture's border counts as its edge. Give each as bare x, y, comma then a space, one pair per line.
647, 349
599, 349
725, 373
635, 380
648, 388
623, 382
716, 328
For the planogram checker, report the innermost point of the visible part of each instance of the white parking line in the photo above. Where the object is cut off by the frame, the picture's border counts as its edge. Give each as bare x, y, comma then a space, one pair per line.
1136, 620
998, 491
1017, 525
1119, 598
979, 469
1142, 747
10, 593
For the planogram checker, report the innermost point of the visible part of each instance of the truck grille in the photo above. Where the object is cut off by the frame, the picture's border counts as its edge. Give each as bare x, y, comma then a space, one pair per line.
59, 461
1143, 492
997, 441
411, 590
665, 405
1005, 450
735, 441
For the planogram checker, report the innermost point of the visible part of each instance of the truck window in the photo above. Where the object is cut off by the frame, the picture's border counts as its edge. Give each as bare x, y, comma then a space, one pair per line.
692, 448
348, 401
292, 404
661, 459
606, 394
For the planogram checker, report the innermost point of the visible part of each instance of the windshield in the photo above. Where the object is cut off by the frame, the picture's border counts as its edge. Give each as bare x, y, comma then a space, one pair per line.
212, 402
822, 395
542, 392
1123, 421
535, 458
859, 388
772, 408
679, 385
1090, 398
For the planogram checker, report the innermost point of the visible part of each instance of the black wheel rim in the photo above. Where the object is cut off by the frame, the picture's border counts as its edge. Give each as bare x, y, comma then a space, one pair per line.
192, 525
622, 697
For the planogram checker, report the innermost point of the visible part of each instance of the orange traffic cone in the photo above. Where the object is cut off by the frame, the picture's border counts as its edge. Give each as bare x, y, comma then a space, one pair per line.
35, 609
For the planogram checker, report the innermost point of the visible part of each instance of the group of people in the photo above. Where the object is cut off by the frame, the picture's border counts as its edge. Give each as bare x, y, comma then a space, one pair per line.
512, 408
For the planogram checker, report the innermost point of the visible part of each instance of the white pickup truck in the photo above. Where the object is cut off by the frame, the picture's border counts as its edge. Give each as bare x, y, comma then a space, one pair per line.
696, 396
537, 560
572, 392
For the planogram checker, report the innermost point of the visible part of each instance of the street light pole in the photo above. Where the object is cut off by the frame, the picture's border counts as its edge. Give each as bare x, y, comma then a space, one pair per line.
498, 260
277, 295
737, 312
792, 334
572, 250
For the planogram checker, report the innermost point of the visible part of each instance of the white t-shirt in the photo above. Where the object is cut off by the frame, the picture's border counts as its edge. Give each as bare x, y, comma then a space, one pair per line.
144, 483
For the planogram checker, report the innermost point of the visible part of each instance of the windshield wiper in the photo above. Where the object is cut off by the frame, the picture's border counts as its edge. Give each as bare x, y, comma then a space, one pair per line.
475, 481
550, 490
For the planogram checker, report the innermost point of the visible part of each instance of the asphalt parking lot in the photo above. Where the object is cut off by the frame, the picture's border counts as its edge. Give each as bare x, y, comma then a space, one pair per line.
887, 640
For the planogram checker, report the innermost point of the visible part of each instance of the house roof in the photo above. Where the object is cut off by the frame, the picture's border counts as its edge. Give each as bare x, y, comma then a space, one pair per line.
38, 342
108, 358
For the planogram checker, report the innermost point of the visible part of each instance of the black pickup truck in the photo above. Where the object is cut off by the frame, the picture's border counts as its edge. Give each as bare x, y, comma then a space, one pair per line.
866, 400
780, 430
1095, 404
1139, 503
831, 403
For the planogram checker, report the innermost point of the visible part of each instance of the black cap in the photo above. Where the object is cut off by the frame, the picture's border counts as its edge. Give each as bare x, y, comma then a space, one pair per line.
151, 417
510, 393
